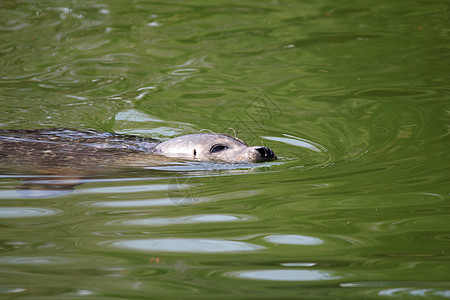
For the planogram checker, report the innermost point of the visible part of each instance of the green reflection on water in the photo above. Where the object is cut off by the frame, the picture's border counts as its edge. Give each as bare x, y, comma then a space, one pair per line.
351, 96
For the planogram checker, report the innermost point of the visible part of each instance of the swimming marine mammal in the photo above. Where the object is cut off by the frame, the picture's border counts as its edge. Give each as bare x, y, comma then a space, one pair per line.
214, 147
60, 159
63, 148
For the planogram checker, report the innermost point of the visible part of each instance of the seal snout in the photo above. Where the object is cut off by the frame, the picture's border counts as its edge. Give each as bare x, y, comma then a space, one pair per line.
266, 153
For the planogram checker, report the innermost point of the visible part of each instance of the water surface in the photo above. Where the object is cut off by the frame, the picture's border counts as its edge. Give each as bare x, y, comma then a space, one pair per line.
351, 96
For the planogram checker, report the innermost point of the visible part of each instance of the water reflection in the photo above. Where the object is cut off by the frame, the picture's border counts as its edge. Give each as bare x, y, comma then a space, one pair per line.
299, 142
363, 138
184, 245
298, 264
39, 260
57, 259
425, 292
194, 219
12, 290
127, 189
284, 275
398, 289
293, 239
137, 203
26, 212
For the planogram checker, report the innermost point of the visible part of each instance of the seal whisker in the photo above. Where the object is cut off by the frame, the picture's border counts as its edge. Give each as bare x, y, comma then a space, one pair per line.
235, 135
204, 129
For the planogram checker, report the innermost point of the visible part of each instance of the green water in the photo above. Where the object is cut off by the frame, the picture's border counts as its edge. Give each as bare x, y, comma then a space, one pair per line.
352, 96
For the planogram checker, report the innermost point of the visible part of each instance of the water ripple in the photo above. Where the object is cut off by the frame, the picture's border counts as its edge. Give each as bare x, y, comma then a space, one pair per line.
284, 275
128, 189
400, 289
296, 141
184, 245
54, 260
293, 239
194, 219
26, 212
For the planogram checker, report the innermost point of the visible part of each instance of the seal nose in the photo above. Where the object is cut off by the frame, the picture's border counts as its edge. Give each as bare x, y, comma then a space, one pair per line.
266, 153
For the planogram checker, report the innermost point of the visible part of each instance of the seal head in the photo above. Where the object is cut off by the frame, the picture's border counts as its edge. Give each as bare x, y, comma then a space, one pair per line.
213, 147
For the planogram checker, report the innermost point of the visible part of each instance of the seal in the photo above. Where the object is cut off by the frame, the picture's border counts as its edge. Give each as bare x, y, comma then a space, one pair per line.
214, 147
60, 159
64, 148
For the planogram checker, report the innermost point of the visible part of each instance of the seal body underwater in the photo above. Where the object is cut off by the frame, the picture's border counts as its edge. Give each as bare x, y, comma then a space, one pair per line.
59, 147
71, 155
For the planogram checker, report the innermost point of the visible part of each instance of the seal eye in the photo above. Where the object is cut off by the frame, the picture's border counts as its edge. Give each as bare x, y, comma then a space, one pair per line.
217, 148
